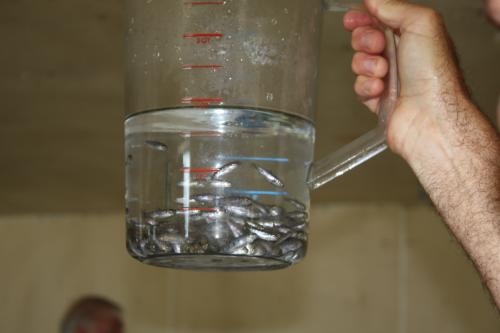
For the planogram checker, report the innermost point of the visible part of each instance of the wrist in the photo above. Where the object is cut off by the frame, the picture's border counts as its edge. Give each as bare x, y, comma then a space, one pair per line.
421, 132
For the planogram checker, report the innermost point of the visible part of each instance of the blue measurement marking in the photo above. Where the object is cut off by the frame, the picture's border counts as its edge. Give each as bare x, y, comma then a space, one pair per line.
264, 159
250, 192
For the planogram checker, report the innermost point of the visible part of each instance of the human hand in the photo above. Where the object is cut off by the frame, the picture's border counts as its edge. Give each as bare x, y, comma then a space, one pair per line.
449, 144
430, 82
493, 9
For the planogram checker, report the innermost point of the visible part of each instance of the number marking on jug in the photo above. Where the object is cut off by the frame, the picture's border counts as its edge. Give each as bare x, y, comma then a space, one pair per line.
203, 38
201, 3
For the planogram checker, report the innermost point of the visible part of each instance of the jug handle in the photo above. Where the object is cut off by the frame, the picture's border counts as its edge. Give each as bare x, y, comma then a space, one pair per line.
372, 143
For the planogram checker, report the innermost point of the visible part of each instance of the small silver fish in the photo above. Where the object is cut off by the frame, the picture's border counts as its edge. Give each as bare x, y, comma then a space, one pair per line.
235, 230
220, 184
160, 214
157, 145
275, 211
134, 250
237, 201
225, 169
297, 204
261, 208
152, 223
298, 215
270, 224
284, 238
300, 236
214, 215
177, 247
185, 201
194, 183
165, 247
291, 257
262, 234
190, 212
258, 250
134, 222
245, 212
284, 230
238, 221
240, 242
268, 247
300, 227
207, 198
290, 245
268, 175
252, 224
240, 251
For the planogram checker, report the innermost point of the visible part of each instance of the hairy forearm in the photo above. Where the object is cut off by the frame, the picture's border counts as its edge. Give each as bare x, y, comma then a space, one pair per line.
458, 163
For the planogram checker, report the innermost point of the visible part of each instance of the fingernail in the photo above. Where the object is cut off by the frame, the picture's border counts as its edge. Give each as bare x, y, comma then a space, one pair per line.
367, 87
366, 40
370, 65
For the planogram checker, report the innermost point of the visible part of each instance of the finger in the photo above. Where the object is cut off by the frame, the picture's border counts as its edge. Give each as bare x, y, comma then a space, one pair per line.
400, 15
372, 104
368, 40
355, 19
493, 9
367, 87
368, 65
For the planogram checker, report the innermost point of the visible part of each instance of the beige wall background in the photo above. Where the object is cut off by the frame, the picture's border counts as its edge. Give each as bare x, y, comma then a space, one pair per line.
380, 258
371, 268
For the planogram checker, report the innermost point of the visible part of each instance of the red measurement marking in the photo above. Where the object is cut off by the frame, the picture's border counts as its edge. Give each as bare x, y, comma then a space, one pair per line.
203, 209
212, 35
203, 38
191, 170
201, 102
198, 3
212, 66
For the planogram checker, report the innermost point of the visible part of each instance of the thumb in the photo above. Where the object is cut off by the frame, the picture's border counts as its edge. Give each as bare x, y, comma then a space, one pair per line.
396, 14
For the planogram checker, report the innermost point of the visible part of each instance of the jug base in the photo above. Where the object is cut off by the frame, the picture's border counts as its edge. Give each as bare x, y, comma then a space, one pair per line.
209, 262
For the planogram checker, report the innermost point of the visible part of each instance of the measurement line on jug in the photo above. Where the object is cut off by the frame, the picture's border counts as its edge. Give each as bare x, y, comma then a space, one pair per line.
255, 158
253, 192
200, 3
200, 134
202, 101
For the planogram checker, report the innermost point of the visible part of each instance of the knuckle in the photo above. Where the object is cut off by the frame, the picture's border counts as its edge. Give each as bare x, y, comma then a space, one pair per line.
431, 17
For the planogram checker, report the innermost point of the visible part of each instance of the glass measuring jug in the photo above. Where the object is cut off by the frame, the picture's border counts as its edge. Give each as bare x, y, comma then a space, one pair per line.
219, 131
